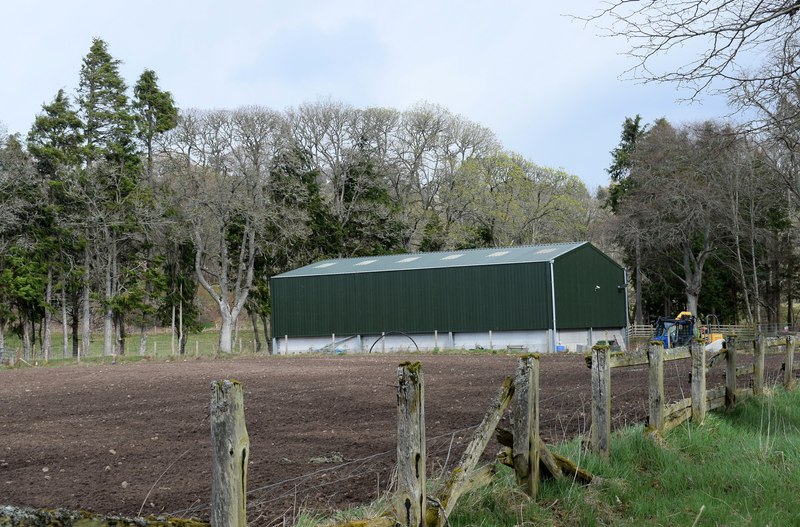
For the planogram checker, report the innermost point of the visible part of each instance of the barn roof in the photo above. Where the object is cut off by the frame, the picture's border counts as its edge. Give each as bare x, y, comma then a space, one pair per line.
433, 260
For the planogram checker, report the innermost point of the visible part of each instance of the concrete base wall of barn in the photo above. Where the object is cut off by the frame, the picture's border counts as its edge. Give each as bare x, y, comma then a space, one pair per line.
572, 340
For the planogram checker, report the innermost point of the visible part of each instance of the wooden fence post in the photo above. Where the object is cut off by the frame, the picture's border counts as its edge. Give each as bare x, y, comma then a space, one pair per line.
730, 373
601, 400
699, 400
758, 365
788, 377
410, 502
655, 357
230, 453
526, 449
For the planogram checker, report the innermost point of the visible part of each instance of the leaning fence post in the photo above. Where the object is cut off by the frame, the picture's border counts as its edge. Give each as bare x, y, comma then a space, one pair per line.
601, 400
655, 356
410, 501
699, 400
758, 365
230, 453
526, 450
788, 381
730, 373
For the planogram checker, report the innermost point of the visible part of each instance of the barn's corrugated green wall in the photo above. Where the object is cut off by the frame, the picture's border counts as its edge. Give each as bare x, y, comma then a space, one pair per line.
588, 292
476, 298
503, 297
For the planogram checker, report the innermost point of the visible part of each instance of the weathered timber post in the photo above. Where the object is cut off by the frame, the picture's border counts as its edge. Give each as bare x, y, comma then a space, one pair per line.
230, 453
788, 378
730, 373
601, 400
410, 501
526, 449
655, 356
758, 365
699, 401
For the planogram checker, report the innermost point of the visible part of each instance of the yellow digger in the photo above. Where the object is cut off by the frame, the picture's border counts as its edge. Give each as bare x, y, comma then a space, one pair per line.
679, 331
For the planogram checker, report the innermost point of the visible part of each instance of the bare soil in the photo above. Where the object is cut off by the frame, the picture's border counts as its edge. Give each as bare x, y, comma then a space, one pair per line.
128, 437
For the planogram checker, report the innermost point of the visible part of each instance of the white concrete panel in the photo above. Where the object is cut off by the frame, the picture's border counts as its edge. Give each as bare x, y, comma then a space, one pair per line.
531, 341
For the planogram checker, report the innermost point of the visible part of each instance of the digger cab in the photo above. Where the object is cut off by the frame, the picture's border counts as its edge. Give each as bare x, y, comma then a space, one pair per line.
673, 332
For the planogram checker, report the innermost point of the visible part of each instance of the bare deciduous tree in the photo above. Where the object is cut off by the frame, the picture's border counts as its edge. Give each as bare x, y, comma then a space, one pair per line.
220, 164
730, 37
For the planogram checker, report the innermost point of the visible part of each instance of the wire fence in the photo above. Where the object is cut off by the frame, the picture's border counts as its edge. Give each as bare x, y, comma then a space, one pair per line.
565, 414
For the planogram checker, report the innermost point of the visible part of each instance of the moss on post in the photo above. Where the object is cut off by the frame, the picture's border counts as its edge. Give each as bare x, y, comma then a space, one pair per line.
26, 516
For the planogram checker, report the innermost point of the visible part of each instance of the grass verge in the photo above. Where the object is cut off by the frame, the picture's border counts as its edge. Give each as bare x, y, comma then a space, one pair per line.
160, 346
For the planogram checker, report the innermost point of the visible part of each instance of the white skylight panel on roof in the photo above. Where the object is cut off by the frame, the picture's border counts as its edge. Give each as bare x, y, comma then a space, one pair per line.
409, 259
452, 257
366, 262
545, 251
324, 265
497, 254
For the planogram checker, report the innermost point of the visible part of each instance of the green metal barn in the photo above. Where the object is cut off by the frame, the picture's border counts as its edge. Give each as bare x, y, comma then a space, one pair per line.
542, 297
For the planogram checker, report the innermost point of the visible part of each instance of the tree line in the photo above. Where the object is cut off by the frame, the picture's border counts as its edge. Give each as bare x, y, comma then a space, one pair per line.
707, 213
117, 206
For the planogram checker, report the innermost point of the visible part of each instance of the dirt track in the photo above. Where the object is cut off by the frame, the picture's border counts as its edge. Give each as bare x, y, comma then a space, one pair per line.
322, 429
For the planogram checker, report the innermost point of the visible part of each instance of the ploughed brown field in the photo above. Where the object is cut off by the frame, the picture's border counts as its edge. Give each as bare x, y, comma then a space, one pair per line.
120, 438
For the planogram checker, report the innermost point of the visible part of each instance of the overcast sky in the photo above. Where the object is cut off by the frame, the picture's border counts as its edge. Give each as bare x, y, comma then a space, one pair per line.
548, 86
